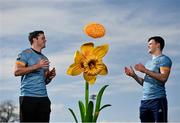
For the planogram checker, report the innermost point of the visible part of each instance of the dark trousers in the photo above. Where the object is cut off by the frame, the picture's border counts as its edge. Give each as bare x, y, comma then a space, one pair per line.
154, 110
34, 109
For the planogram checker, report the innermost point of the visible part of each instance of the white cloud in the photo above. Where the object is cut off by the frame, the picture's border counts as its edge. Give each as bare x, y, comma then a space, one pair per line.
58, 108
74, 89
57, 20
174, 109
7, 67
46, 18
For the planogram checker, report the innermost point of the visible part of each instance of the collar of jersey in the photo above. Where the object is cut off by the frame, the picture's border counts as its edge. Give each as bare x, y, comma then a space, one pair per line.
36, 51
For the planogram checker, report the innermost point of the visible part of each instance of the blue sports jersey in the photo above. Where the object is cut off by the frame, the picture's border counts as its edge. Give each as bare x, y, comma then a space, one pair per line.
32, 84
152, 88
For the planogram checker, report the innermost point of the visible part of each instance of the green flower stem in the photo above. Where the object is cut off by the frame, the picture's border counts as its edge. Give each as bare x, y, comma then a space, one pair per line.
87, 95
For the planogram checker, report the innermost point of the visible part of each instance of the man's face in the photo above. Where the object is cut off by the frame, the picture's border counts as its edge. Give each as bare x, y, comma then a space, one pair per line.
153, 46
41, 41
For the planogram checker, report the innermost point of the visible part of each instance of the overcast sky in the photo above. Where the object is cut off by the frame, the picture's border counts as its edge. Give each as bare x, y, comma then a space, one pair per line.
128, 23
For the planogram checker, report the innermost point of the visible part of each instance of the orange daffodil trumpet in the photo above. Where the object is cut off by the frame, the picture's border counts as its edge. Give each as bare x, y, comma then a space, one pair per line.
89, 62
94, 30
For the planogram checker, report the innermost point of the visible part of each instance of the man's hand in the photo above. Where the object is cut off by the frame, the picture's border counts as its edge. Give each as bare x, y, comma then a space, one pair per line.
140, 67
51, 74
129, 71
43, 64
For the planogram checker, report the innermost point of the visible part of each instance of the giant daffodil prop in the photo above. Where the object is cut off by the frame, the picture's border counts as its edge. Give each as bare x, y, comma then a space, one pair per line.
88, 61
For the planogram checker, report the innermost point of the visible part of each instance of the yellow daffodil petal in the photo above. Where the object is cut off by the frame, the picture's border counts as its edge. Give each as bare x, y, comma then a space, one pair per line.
104, 70
74, 69
90, 79
78, 57
87, 48
100, 51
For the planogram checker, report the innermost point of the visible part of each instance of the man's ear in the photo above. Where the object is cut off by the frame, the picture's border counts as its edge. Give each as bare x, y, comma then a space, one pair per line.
34, 40
159, 46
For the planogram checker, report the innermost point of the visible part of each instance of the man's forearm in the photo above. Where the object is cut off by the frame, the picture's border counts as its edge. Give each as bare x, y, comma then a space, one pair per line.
20, 71
158, 76
138, 79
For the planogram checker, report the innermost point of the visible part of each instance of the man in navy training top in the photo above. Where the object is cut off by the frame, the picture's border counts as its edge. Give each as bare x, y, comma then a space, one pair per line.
33, 67
154, 102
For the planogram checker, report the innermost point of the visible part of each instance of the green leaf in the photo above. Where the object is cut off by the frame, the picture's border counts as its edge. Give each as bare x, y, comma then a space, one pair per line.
89, 112
73, 115
82, 110
98, 103
107, 105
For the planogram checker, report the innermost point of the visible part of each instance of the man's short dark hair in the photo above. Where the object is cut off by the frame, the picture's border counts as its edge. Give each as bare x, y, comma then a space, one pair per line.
159, 40
34, 34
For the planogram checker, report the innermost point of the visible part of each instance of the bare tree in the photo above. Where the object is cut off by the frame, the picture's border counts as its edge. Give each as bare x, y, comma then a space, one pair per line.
7, 112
